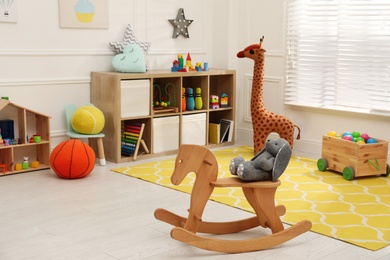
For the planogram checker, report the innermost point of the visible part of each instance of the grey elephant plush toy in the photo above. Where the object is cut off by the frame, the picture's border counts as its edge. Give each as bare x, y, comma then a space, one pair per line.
268, 164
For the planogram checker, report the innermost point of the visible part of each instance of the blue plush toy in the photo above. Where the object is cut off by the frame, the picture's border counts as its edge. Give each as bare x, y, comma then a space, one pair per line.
131, 60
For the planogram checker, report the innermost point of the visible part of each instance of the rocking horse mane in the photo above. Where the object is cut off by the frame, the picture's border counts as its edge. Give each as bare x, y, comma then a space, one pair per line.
196, 159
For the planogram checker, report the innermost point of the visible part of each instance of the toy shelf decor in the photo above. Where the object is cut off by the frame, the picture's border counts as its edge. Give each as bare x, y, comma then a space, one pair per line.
159, 100
353, 159
19, 152
132, 139
164, 98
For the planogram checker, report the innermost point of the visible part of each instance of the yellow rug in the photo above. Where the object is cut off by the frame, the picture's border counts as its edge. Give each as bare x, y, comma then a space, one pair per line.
357, 212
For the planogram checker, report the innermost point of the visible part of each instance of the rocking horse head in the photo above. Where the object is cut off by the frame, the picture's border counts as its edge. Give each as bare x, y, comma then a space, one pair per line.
196, 159
254, 51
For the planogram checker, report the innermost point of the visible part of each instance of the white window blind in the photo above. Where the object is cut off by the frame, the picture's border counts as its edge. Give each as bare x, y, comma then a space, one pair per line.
339, 55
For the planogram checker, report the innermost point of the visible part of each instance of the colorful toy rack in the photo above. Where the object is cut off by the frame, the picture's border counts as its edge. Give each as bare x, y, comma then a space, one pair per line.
132, 138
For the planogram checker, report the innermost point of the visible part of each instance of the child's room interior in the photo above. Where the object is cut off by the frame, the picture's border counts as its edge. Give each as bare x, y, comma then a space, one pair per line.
185, 129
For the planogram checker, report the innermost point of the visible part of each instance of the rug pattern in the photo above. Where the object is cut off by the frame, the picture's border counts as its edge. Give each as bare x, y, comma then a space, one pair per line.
355, 211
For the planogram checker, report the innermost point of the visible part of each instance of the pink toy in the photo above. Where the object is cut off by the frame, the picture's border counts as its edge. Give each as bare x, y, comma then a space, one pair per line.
348, 137
214, 102
365, 136
264, 122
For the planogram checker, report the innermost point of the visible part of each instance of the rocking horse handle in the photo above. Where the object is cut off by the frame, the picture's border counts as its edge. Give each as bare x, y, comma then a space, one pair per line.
207, 162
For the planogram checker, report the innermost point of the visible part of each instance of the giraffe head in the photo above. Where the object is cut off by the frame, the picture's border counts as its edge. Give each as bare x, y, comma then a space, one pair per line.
254, 51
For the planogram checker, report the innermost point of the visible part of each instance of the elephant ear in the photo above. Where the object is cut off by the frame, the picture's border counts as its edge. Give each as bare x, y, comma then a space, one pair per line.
281, 161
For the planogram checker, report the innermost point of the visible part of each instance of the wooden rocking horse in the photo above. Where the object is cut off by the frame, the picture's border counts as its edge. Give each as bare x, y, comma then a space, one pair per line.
260, 195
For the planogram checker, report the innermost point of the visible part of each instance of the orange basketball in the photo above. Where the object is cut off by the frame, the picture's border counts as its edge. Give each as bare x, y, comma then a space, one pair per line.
72, 159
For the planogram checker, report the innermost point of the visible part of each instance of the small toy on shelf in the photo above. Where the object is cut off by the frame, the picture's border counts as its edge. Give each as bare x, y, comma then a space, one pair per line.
18, 167
179, 66
183, 100
37, 138
1, 137
214, 102
162, 98
206, 66
198, 99
181, 60
190, 99
4, 168
34, 164
25, 163
175, 65
189, 62
198, 66
132, 138
224, 100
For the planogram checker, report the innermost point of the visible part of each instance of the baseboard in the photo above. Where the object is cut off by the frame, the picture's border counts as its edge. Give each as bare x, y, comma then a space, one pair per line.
302, 147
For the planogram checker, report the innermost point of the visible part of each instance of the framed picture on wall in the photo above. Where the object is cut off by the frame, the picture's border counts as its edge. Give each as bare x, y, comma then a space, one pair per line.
8, 11
83, 13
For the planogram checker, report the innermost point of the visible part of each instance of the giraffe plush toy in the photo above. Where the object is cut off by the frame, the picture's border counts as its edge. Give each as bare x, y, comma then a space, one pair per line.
264, 122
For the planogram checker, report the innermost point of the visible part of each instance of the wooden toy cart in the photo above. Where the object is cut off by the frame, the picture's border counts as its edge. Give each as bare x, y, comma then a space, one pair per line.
353, 159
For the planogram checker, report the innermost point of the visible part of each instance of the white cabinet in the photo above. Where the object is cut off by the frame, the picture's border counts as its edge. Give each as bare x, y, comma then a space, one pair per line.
135, 98
165, 134
194, 129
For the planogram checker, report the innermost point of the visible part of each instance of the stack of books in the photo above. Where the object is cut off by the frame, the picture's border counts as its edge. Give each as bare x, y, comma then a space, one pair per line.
221, 132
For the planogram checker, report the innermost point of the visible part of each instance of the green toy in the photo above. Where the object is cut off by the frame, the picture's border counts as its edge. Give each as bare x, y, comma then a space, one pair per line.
198, 98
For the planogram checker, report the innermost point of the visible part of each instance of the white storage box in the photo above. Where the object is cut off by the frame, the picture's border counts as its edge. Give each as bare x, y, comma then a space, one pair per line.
165, 134
194, 129
135, 98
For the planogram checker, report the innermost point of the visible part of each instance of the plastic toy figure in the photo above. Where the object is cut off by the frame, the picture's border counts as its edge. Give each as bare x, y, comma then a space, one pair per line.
224, 100
214, 102
190, 99
183, 100
25, 163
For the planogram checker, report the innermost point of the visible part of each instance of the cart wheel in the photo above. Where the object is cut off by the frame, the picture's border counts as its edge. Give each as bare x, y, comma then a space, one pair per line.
322, 164
348, 173
387, 171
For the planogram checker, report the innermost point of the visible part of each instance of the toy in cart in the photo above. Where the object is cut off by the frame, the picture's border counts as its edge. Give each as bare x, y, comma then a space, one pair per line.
354, 155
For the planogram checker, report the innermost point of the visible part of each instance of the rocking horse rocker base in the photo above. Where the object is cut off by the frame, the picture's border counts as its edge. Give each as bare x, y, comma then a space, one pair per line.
260, 195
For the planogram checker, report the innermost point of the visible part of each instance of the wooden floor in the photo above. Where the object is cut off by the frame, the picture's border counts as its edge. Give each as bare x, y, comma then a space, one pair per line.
108, 216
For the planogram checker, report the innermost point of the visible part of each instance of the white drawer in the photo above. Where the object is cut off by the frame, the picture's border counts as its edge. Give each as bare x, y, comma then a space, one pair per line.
194, 129
165, 134
135, 98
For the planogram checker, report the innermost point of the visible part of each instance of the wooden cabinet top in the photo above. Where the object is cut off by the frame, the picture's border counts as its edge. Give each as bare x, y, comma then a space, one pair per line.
166, 73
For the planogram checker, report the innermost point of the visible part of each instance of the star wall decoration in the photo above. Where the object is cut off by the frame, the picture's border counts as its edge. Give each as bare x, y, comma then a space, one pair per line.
180, 24
129, 38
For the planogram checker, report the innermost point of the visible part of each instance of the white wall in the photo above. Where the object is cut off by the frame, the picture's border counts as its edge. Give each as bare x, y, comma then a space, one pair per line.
43, 67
